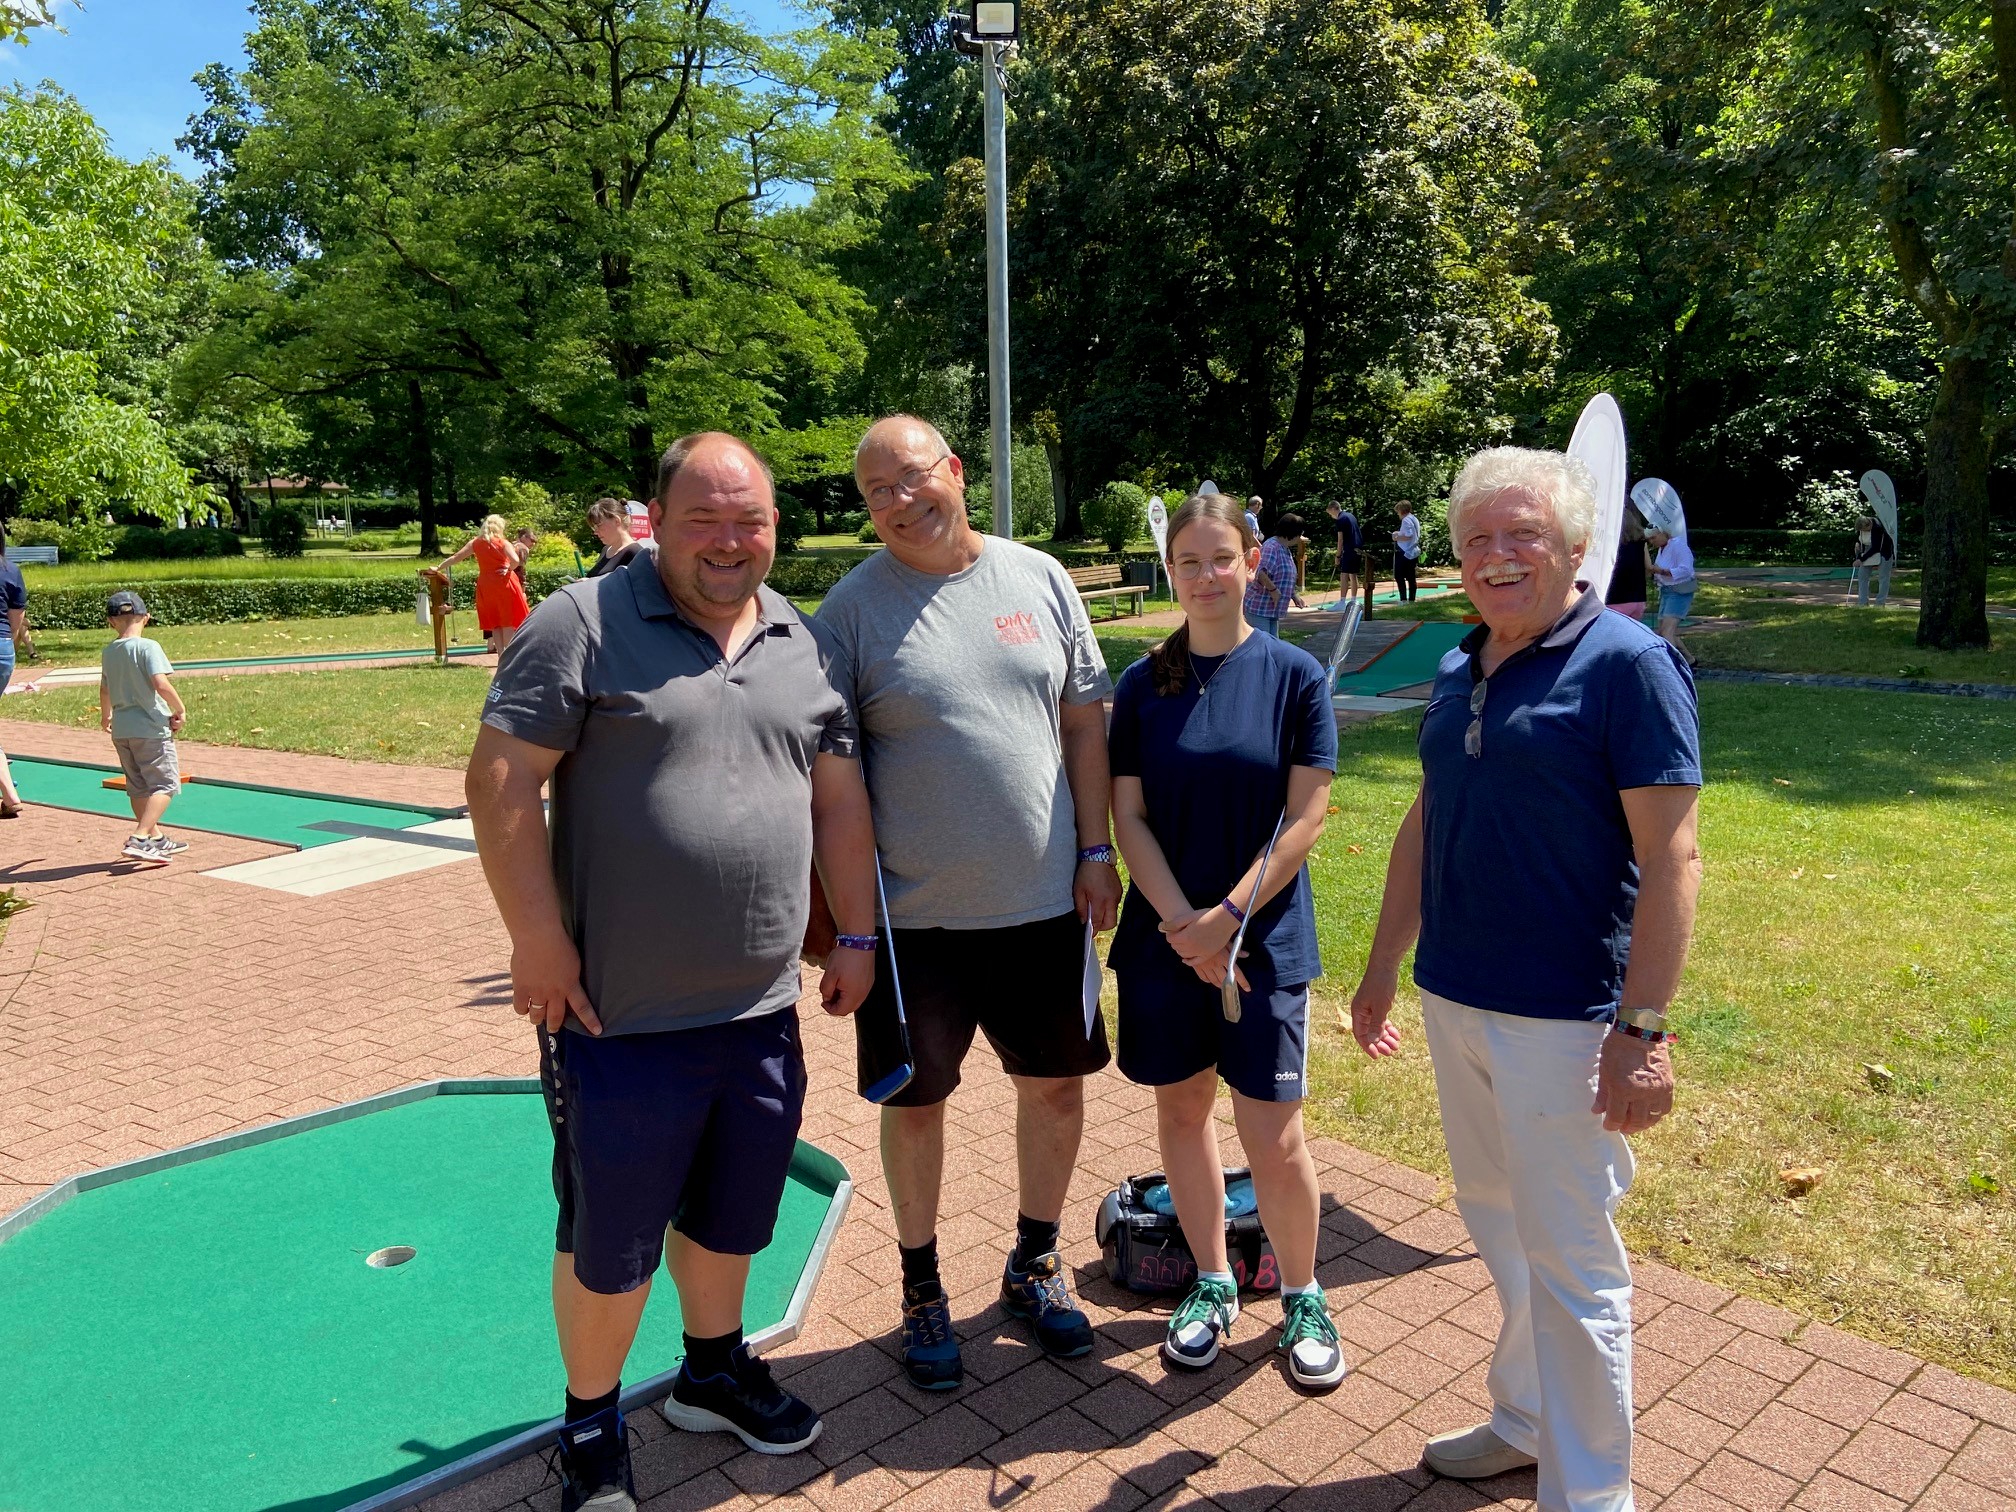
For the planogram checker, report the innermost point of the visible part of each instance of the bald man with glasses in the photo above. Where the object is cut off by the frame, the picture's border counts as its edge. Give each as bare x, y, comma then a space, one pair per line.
983, 730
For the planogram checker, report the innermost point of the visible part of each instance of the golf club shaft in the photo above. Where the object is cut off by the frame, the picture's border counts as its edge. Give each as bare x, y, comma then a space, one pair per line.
889, 936
1228, 990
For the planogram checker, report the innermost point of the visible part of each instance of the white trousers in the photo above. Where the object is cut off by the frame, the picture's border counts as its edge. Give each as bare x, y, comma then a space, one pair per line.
1538, 1180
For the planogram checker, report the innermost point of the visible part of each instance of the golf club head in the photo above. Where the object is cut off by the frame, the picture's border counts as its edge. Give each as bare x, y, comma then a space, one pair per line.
1228, 997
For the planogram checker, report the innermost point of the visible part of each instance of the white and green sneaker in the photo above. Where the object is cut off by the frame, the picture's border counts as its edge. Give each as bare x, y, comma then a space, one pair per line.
1204, 1318
1309, 1339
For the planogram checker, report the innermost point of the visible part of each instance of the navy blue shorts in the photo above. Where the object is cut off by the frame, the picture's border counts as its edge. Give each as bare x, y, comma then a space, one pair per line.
1172, 1027
691, 1129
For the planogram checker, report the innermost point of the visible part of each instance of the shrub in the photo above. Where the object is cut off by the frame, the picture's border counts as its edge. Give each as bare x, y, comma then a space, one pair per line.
22, 532
1116, 515
866, 534
221, 601
91, 539
285, 530
145, 543
1833, 503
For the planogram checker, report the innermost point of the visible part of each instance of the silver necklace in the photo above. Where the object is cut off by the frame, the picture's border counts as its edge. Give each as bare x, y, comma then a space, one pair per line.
1204, 683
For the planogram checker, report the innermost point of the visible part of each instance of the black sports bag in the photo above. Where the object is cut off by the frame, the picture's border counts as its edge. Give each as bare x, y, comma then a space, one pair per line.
1146, 1252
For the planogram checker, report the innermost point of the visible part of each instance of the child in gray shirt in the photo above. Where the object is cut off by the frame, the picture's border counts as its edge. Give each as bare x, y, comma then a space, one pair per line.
141, 711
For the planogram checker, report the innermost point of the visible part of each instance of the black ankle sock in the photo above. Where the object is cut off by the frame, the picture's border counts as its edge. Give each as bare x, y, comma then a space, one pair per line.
920, 1271
579, 1408
708, 1357
1032, 1238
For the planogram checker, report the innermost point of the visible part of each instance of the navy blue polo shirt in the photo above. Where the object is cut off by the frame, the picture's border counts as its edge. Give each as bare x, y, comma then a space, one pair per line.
1528, 881
1213, 762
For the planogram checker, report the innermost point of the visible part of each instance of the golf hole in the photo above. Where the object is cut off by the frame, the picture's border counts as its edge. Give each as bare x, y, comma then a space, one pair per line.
391, 1255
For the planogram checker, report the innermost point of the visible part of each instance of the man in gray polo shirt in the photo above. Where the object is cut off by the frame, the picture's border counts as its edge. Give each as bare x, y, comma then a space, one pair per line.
978, 687
701, 756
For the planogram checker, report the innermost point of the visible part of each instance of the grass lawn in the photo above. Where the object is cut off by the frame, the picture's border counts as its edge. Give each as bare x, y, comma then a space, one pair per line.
418, 716
354, 632
1859, 909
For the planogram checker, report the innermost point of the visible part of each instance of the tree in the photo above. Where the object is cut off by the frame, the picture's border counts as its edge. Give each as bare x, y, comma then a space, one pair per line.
80, 234
1679, 257
1904, 116
572, 210
1229, 218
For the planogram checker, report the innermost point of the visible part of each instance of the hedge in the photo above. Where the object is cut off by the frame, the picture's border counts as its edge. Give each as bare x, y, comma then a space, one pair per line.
223, 601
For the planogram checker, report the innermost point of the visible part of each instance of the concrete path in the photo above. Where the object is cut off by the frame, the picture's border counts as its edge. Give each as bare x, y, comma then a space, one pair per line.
142, 1009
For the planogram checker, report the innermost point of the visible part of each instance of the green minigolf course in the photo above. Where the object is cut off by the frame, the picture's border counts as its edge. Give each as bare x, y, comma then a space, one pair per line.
218, 1299
249, 812
1410, 660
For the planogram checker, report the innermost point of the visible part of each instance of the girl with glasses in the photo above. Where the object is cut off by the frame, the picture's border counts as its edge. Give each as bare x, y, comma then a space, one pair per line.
1223, 739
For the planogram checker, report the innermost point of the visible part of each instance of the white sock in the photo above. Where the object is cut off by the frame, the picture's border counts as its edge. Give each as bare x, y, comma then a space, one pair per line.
1221, 1276
1302, 1291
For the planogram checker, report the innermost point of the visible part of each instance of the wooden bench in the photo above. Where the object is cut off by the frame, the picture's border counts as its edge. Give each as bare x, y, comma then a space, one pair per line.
46, 555
1095, 583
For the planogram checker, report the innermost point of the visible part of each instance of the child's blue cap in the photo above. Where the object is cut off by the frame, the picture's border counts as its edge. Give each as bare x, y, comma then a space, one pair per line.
125, 601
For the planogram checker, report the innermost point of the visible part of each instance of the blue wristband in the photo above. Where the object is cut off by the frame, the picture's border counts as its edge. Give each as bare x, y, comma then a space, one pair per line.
1234, 909
856, 942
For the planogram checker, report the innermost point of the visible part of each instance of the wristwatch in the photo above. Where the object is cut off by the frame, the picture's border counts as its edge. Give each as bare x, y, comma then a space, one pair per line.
1104, 854
1647, 1024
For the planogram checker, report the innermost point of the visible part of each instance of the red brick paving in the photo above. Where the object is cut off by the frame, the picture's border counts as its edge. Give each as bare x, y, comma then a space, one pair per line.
143, 1009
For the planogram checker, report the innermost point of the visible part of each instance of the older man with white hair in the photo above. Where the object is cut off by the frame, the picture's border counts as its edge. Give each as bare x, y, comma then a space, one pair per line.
1549, 868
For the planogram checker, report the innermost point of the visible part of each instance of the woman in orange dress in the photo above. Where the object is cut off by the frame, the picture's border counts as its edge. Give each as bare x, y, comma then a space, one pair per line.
500, 593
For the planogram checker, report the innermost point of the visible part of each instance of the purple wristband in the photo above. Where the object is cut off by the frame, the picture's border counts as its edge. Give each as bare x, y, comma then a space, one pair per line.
1234, 909
856, 942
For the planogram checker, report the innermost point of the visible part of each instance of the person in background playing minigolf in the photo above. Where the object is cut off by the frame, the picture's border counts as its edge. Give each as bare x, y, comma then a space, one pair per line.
1273, 584
501, 606
1673, 567
13, 625
1873, 549
1406, 553
1627, 594
1215, 733
1349, 543
611, 523
142, 712
701, 757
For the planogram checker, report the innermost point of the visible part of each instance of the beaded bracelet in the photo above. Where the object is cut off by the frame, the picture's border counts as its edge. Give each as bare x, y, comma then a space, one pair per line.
856, 942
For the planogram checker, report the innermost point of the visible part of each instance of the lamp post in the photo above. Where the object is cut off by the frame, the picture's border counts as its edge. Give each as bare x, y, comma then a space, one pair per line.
993, 27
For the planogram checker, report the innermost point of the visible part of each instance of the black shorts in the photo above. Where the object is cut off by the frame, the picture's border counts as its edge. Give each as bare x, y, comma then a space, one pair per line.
1173, 1025
692, 1129
1022, 986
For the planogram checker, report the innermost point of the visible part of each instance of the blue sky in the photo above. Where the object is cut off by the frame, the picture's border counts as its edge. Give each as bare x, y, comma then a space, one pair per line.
131, 62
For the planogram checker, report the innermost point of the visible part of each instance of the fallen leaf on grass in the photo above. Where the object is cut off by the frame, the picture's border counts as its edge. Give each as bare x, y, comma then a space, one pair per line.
1782, 781
1829, 876
256, 730
1333, 809
1881, 1077
1799, 1180
1356, 850
1798, 872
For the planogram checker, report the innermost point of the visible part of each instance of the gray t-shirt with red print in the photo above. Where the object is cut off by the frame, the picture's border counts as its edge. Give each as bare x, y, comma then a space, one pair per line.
956, 685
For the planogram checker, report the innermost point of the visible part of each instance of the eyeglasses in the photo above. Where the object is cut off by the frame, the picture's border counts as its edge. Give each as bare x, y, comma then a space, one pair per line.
1473, 738
882, 495
1191, 568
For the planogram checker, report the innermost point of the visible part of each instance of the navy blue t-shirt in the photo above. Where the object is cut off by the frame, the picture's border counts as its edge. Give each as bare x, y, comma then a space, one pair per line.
13, 595
1214, 770
1528, 881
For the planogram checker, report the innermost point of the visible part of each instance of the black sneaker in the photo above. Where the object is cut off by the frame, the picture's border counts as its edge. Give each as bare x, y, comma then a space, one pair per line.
595, 1465
1040, 1295
746, 1402
930, 1348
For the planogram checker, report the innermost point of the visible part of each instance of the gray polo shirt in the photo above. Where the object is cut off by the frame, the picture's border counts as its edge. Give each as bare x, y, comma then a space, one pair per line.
682, 811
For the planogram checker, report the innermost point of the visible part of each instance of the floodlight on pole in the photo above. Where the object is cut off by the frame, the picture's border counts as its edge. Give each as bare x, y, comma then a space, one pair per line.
993, 27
